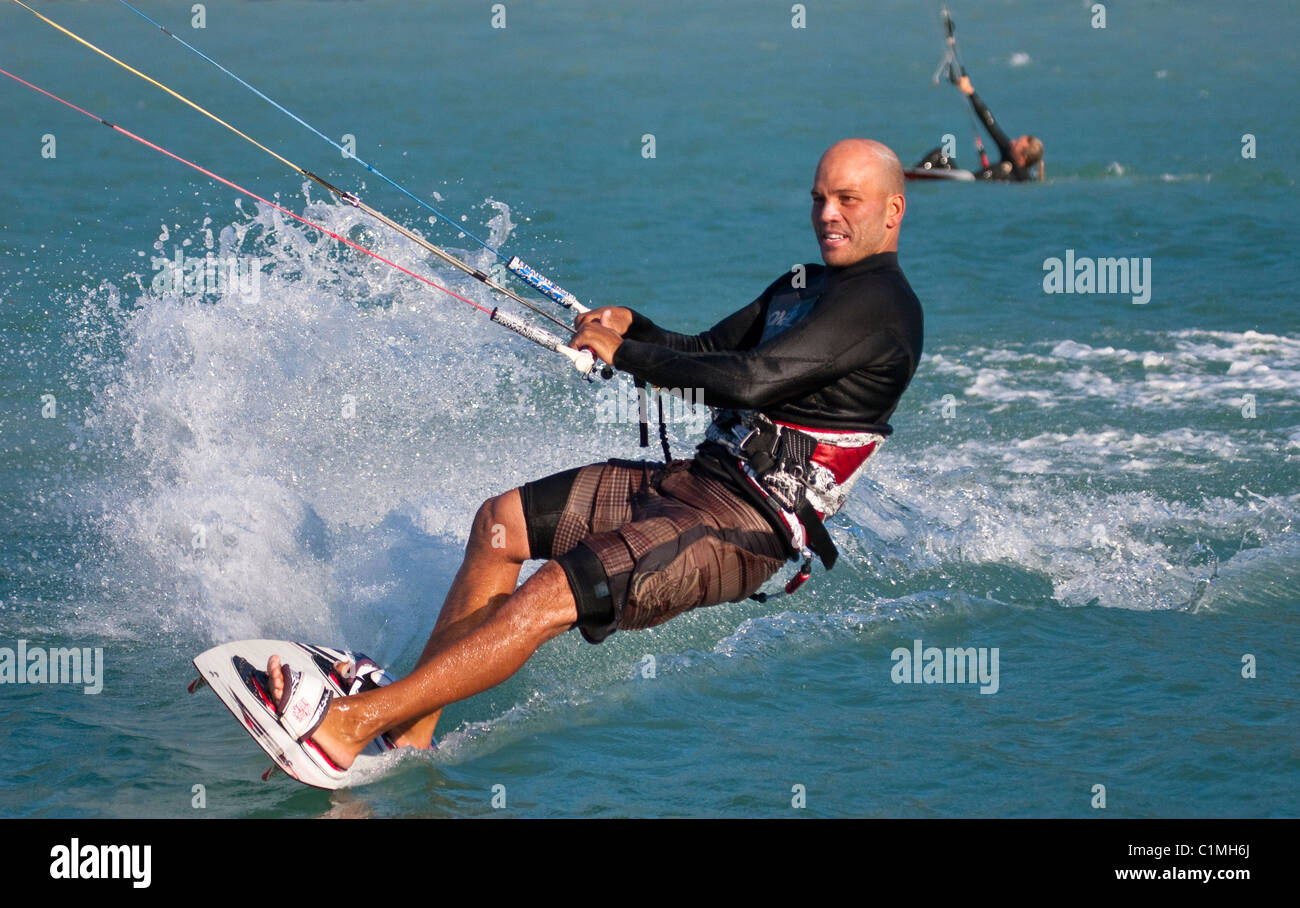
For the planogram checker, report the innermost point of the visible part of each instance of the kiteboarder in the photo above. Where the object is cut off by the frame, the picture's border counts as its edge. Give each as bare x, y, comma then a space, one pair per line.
803, 381
1017, 155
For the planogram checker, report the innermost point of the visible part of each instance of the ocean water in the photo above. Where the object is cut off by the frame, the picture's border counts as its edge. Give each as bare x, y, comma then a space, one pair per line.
1105, 492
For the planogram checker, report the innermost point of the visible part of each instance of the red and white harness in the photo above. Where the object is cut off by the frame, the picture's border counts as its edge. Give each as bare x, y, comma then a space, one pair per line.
790, 464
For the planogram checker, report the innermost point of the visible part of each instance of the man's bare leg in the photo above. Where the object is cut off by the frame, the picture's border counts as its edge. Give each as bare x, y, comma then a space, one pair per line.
473, 662
497, 549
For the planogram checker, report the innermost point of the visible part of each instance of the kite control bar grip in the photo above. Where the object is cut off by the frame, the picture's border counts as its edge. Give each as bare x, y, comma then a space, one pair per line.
539, 282
583, 360
586, 361
606, 370
536, 279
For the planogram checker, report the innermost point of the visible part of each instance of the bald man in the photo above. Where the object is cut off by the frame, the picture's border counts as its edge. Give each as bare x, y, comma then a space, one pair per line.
802, 381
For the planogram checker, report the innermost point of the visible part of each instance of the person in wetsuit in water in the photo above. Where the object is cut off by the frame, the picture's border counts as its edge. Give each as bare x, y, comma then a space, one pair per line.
1017, 156
806, 378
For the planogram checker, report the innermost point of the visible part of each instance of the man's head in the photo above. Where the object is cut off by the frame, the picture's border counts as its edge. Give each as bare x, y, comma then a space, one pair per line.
1027, 150
858, 201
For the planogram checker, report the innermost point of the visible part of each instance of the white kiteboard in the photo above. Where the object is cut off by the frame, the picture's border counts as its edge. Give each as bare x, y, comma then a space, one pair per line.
953, 174
237, 673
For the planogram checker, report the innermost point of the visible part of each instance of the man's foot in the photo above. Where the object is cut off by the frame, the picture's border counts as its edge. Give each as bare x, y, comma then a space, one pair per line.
327, 737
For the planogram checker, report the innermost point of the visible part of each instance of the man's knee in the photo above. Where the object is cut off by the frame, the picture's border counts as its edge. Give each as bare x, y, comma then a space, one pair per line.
499, 527
544, 604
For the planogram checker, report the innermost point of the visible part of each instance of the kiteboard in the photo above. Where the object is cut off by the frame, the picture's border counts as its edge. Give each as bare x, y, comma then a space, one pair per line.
938, 173
236, 672
938, 165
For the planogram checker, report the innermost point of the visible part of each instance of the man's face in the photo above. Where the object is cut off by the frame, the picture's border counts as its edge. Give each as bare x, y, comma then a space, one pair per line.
1019, 148
851, 213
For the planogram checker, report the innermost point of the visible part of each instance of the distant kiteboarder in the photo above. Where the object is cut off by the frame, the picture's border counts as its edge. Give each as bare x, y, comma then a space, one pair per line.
1018, 155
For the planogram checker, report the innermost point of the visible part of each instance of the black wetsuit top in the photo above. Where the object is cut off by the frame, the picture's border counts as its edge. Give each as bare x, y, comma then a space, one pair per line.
1006, 169
836, 354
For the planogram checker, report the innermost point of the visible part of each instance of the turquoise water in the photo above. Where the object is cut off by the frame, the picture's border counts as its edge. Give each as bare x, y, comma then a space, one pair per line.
1105, 492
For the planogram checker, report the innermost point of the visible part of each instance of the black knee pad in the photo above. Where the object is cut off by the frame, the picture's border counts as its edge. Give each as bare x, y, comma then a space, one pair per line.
597, 617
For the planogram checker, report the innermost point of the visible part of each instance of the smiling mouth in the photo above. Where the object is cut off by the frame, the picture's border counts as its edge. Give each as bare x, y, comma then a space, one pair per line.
834, 237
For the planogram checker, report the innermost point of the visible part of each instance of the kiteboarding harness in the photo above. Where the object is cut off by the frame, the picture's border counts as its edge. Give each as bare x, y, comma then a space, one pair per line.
802, 381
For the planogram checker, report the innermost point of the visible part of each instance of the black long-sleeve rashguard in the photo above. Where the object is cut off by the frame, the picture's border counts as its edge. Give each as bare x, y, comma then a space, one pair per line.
836, 354
1006, 169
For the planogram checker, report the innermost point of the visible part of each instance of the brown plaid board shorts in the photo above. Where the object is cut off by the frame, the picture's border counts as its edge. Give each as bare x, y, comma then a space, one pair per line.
642, 542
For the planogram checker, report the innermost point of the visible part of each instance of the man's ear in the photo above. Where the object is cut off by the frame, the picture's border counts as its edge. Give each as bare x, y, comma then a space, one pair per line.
896, 207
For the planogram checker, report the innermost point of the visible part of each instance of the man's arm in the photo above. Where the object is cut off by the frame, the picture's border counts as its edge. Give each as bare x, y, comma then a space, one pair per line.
986, 117
804, 358
604, 330
741, 328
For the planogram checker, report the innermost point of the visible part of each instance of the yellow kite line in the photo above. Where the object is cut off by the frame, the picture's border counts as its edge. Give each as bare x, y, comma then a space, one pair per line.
178, 97
346, 196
